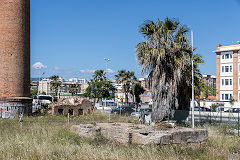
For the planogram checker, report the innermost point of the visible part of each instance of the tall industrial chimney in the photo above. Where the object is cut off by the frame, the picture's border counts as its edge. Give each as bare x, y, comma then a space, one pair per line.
15, 54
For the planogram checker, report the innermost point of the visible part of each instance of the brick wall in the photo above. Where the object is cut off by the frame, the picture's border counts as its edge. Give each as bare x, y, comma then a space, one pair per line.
14, 48
235, 75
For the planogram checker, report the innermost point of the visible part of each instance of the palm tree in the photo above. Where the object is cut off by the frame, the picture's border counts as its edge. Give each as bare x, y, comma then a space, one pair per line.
55, 84
99, 75
73, 88
137, 90
185, 85
126, 78
165, 54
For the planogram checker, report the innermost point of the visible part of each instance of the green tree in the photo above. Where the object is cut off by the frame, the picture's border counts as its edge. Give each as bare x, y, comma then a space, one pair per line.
165, 55
137, 90
185, 85
33, 93
55, 84
209, 91
231, 101
73, 88
99, 87
127, 79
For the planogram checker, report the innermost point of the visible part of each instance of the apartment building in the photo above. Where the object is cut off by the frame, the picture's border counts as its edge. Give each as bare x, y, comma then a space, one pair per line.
209, 80
228, 72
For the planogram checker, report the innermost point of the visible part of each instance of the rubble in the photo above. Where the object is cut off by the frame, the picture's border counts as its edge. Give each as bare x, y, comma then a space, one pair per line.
125, 133
75, 106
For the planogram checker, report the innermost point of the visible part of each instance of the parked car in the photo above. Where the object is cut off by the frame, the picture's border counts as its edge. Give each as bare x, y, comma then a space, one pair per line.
145, 109
233, 110
123, 110
135, 114
141, 111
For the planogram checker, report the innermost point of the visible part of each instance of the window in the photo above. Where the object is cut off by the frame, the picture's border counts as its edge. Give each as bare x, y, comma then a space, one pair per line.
226, 82
231, 96
226, 96
230, 68
222, 56
226, 68
230, 80
227, 56
222, 68
80, 112
222, 82
60, 111
231, 56
223, 96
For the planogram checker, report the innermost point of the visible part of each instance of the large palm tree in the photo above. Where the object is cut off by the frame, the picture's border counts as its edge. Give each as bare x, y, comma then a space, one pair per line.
126, 78
165, 54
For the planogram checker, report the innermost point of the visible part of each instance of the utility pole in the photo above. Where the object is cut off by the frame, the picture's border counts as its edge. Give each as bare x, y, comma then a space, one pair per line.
192, 83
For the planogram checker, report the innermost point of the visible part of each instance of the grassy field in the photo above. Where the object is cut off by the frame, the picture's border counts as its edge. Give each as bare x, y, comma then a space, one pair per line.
48, 137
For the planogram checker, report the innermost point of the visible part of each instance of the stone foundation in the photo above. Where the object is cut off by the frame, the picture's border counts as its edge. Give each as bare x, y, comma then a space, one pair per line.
125, 133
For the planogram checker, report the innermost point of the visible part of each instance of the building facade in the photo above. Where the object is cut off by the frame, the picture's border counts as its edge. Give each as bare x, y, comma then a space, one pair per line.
227, 72
209, 80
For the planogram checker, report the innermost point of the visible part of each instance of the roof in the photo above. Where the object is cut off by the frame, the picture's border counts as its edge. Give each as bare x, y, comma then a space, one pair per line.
227, 48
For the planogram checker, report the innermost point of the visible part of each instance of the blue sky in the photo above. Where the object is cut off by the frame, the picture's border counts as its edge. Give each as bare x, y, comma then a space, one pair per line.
71, 38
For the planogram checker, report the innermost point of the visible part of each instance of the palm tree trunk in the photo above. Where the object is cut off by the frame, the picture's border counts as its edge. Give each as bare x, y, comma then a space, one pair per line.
164, 95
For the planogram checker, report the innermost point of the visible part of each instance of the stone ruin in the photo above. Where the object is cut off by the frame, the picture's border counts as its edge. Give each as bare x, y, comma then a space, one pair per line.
75, 106
125, 133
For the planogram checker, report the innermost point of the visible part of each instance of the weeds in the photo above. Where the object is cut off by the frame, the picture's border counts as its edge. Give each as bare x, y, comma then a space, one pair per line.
49, 138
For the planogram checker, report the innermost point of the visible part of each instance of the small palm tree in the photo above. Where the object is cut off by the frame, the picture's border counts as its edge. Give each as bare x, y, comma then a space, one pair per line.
126, 78
55, 84
99, 75
73, 88
137, 90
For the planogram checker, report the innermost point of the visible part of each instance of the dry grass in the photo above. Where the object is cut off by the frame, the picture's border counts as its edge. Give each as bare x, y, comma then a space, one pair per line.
49, 138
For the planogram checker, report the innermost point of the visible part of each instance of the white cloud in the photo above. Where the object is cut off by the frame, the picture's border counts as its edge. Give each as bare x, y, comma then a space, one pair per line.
56, 68
110, 70
38, 65
87, 71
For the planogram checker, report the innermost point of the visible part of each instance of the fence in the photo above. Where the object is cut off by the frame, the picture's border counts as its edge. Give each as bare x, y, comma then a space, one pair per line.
207, 116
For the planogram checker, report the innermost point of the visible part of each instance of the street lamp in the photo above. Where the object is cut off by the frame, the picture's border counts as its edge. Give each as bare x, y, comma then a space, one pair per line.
107, 60
192, 83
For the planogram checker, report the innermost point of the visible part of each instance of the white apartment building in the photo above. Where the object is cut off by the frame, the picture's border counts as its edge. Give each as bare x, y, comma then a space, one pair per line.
79, 80
44, 86
228, 72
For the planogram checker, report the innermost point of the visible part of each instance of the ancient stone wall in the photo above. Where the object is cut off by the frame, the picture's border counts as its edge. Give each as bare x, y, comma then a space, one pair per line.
14, 48
75, 106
